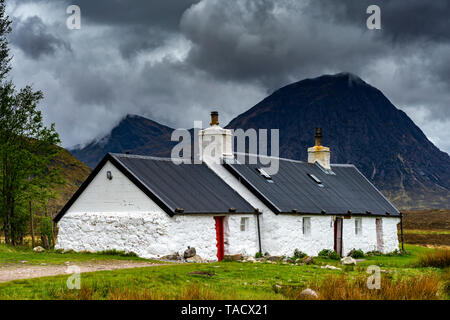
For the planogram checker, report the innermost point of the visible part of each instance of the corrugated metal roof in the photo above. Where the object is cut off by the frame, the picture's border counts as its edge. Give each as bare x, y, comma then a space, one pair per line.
293, 190
193, 187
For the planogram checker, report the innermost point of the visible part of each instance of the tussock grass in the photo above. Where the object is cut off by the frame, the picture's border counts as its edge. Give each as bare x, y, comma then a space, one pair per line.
193, 292
426, 287
436, 259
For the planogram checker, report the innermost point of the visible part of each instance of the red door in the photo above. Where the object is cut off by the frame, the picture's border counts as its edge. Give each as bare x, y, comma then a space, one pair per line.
219, 237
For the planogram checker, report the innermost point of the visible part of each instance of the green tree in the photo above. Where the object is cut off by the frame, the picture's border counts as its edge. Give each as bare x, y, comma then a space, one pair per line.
26, 147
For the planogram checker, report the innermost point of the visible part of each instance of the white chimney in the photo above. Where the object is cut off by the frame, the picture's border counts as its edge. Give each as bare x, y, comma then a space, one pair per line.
319, 153
215, 142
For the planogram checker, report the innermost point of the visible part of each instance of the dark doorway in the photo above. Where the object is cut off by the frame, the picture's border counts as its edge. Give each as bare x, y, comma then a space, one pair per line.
219, 237
338, 236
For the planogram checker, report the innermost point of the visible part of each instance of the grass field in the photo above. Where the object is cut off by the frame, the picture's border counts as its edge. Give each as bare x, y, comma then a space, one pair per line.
402, 278
427, 227
24, 255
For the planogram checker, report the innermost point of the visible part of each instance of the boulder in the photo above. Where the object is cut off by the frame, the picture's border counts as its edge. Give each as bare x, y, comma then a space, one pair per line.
173, 257
233, 257
309, 293
38, 249
273, 258
348, 261
250, 259
189, 253
308, 260
195, 259
330, 267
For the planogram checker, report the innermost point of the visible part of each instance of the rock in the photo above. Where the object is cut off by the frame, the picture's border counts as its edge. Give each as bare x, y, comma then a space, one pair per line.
38, 249
173, 257
308, 260
233, 257
309, 293
250, 259
189, 253
195, 259
330, 267
348, 261
273, 258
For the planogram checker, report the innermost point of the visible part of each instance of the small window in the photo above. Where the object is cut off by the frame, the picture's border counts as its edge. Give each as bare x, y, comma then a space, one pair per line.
306, 226
358, 226
315, 179
265, 175
244, 224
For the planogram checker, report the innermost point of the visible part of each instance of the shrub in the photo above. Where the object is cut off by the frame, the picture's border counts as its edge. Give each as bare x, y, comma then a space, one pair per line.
258, 255
115, 252
356, 254
298, 254
329, 254
437, 259
373, 253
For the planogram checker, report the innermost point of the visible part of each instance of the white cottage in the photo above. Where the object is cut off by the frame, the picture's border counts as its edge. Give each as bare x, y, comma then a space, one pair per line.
155, 207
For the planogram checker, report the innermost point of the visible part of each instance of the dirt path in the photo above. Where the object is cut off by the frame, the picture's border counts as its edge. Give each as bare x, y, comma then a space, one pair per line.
16, 272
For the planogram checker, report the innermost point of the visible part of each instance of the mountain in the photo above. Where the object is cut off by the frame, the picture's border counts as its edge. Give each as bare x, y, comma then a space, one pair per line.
133, 134
73, 172
361, 126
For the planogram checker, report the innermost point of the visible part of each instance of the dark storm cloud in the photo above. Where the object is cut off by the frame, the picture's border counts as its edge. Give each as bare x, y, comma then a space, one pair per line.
160, 13
412, 20
32, 36
272, 42
175, 60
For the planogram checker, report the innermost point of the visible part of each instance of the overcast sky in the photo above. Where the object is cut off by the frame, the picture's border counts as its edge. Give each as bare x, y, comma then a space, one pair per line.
175, 60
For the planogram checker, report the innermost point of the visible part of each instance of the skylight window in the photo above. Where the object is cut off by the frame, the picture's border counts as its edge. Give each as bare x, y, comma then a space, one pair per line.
315, 179
265, 174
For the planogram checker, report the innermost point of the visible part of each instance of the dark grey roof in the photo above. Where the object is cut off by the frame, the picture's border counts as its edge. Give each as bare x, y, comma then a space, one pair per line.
292, 190
194, 188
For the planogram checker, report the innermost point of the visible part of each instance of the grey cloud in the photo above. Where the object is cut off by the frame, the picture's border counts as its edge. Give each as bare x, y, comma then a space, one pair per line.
34, 38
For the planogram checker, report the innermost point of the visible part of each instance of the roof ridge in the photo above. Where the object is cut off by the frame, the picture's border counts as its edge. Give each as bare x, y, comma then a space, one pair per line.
136, 156
291, 160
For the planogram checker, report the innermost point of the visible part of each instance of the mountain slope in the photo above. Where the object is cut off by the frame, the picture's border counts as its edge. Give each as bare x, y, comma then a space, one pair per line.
361, 126
133, 134
73, 172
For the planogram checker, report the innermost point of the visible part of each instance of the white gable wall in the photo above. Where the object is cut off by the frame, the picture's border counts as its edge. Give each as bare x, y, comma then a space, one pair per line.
115, 214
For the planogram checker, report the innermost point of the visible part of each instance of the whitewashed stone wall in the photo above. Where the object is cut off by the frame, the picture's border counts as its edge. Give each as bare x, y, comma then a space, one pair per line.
115, 214
367, 241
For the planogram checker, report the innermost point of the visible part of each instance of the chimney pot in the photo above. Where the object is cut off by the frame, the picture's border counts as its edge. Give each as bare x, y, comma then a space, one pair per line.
318, 136
214, 118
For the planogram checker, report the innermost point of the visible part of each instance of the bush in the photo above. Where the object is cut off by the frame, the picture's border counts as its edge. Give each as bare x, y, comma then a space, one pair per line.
258, 255
356, 254
329, 254
437, 259
299, 255
373, 253
115, 252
